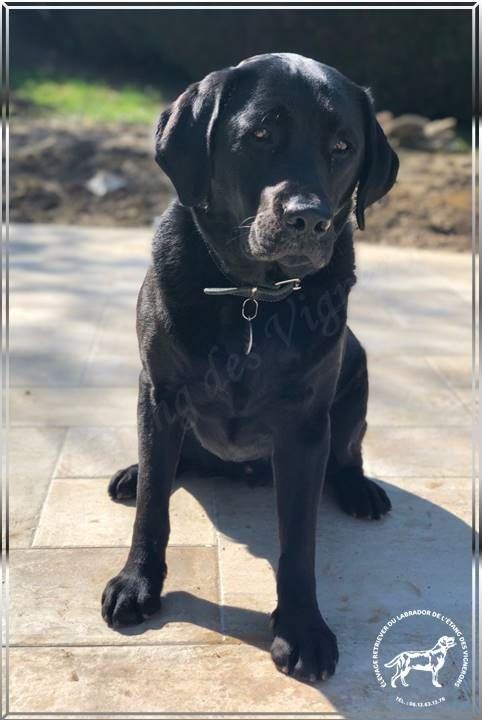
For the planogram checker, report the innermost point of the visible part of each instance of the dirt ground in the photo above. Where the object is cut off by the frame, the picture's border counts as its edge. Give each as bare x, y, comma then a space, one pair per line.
53, 159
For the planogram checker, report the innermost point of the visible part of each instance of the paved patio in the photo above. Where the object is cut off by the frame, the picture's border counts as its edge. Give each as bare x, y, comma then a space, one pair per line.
74, 369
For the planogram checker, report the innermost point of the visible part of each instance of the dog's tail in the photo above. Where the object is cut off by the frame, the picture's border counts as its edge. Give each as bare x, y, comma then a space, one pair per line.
394, 661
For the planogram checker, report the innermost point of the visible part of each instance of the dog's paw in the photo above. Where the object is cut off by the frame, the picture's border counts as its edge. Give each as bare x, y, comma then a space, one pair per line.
123, 485
303, 645
130, 597
361, 497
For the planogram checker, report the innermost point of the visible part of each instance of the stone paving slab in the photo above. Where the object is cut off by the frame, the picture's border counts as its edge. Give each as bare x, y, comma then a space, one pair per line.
433, 451
56, 310
390, 268
386, 561
74, 367
33, 453
391, 337
411, 391
75, 513
73, 406
61, 326
97, 451
53, 607
456, 370
207, 678
114, 357
471, 403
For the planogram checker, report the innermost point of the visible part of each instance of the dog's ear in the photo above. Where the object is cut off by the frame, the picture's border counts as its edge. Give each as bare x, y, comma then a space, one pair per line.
380, 164
184, 136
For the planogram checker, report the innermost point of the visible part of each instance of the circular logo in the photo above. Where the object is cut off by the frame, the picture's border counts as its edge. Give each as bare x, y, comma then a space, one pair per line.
421, 657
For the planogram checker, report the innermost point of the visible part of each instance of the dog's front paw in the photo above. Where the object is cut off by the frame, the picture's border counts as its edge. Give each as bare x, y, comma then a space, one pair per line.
131, 597
123, 484
303, 645
361, 497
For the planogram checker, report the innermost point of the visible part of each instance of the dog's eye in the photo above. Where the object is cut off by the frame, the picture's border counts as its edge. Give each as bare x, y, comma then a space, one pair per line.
341, 147
262, 134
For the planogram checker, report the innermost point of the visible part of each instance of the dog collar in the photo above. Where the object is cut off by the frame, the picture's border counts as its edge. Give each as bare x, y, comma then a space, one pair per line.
253, 296
279, 291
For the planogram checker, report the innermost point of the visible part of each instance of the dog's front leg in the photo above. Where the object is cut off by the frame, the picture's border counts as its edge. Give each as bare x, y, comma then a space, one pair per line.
135, 593
303, 644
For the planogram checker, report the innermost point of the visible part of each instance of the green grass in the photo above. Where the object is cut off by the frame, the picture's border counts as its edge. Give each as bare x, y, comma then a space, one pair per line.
89, 99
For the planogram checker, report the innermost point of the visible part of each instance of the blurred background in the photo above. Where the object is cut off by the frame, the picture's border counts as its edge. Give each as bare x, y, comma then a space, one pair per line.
87, 87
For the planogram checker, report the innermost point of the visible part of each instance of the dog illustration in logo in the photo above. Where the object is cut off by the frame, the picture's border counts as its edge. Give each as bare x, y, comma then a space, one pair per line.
431, 660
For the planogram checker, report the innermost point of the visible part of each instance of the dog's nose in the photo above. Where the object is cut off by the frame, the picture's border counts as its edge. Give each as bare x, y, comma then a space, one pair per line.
303, 217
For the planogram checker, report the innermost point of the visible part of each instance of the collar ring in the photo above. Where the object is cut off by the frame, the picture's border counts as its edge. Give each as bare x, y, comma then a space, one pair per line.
249, 309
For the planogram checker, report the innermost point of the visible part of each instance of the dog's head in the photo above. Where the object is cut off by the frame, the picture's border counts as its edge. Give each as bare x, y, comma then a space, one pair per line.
269, 155
446, 641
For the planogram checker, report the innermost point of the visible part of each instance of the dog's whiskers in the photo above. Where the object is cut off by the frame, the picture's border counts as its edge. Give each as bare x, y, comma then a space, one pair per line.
247, 222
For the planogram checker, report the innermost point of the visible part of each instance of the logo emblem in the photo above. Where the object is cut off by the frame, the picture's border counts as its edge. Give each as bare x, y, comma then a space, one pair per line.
431, 660
425, 666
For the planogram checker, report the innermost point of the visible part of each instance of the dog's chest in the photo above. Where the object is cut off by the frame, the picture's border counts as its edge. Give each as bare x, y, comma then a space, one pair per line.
236, 398
235, 384
230, 401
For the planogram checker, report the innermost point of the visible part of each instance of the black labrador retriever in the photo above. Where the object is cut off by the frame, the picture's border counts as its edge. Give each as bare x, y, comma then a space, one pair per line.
241, 319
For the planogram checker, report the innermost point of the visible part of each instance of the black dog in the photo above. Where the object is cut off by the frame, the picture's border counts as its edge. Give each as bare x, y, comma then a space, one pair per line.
242, 322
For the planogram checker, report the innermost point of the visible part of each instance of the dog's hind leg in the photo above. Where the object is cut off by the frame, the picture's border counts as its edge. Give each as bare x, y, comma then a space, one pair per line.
194, 459
403, 674
394, 678
356, 494
123, 484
